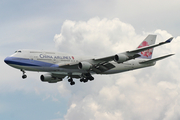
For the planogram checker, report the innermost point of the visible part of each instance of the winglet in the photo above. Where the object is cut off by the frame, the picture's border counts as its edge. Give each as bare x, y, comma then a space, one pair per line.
169, 40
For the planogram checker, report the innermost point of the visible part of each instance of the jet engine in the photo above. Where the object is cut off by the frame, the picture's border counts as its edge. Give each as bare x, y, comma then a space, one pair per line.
49, 79
84, 65
120, 58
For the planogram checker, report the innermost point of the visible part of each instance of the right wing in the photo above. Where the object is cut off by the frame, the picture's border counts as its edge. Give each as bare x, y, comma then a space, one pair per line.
133, 52
103, 64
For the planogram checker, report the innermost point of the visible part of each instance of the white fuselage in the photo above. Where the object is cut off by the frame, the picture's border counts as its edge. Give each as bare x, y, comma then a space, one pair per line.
60, 65
42, 61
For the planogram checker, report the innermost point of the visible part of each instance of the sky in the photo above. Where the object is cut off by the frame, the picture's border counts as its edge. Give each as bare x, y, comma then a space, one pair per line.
91, 28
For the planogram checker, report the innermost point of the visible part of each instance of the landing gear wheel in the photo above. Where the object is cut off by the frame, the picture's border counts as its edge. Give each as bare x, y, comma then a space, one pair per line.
82, 80
72, 83
91, 78
85, 80
70, 80
24, 76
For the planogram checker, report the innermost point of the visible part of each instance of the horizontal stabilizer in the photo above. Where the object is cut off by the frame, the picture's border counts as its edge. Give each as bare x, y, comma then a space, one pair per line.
155, 59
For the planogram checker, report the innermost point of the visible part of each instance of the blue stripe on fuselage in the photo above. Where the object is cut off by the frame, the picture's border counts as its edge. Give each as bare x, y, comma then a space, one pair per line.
26, 62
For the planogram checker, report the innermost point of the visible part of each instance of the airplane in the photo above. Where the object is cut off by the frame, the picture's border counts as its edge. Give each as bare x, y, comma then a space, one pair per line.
60, 65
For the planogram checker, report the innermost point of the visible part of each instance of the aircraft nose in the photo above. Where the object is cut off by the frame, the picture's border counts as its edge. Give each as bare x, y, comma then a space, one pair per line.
7, 60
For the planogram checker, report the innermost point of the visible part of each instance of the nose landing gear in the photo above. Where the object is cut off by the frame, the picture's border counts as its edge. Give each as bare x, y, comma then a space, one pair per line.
24, 75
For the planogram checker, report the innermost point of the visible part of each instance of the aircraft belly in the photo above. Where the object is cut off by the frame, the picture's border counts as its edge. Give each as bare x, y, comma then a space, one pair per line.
49, 69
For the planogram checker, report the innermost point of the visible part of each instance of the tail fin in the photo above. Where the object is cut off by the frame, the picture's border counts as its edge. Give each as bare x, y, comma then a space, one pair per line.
149, 40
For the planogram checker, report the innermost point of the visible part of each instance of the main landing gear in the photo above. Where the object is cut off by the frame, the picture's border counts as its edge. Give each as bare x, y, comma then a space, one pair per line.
71, 81
24, 75
84, 78
87, 77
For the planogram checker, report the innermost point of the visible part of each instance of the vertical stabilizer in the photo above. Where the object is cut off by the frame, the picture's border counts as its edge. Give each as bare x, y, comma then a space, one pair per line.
149, 40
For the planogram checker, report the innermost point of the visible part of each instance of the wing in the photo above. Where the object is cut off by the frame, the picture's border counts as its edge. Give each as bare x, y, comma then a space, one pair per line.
133, 53
97, 66
103, 64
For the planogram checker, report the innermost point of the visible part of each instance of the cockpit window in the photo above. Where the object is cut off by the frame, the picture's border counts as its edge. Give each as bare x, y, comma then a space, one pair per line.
17, 51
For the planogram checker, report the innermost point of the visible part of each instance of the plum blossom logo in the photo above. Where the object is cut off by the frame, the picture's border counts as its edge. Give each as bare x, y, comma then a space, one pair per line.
148, 52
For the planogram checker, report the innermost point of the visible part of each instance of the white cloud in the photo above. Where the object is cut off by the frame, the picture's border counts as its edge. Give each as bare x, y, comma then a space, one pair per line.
150, 93
63, 90
95, 34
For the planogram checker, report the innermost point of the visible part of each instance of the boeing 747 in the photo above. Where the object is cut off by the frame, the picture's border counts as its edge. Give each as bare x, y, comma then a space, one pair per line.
59, 65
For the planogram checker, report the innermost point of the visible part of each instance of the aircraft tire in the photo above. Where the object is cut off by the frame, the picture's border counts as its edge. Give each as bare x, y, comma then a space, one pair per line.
85, 80
24, 76
72, 83
81, 80
70, 80
91, 78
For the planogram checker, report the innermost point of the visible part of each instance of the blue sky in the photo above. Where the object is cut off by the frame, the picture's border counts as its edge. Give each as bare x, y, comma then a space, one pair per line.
99, 28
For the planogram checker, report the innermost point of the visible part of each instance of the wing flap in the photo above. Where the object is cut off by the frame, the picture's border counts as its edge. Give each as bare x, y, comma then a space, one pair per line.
109, 65
102, 67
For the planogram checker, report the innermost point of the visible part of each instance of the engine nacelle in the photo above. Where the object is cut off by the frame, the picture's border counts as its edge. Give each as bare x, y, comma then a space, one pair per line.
49, 78
84, 65
120, 58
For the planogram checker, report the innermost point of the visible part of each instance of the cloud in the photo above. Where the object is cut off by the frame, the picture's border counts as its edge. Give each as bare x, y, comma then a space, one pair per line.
149, 93
95, 34
32, 26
